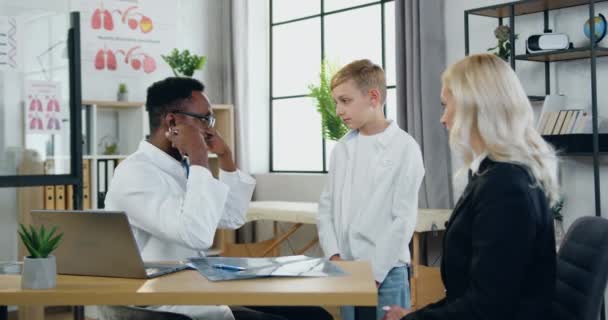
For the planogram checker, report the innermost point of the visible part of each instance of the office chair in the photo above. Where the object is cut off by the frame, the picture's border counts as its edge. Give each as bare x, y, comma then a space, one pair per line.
136, 313
582, 270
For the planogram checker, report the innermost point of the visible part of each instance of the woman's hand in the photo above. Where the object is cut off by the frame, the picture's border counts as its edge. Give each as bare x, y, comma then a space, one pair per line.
395, 312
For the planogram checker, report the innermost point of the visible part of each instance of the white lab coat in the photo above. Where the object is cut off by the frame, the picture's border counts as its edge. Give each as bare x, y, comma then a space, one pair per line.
175, 217
381, 229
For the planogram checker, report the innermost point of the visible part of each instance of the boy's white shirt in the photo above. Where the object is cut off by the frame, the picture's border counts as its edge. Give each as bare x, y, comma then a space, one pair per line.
380, 230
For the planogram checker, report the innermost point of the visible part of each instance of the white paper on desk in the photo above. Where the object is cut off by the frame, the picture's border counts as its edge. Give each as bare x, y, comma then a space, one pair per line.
289, 266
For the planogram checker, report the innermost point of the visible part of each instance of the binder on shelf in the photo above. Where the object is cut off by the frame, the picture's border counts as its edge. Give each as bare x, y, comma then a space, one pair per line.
86, 197
69, 197
110, 165
101, 183
60, 197
49, 197
86, 184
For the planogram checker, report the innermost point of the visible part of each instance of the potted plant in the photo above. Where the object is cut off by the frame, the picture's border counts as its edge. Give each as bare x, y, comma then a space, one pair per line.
558, 220
40, 267
123, 94
502, 34
332, 126
183, 63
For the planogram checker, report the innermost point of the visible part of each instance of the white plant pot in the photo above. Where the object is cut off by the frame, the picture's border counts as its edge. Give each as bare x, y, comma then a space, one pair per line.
122, 96
39, 273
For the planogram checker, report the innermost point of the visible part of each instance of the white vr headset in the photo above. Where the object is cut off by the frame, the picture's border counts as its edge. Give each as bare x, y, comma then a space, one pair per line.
547, 42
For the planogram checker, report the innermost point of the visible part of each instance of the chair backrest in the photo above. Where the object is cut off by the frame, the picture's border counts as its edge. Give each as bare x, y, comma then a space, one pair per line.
582, 270
135, 313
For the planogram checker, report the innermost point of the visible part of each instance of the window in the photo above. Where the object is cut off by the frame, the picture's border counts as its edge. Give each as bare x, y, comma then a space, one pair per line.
303, 33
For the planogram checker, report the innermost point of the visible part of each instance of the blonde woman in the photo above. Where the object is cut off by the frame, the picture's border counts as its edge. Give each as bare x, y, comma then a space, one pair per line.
499, 247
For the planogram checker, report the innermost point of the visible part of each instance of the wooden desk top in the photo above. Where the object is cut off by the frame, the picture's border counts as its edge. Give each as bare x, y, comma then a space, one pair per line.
191, 288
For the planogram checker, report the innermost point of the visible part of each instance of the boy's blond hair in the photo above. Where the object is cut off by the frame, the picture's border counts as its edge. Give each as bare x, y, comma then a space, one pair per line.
365, 74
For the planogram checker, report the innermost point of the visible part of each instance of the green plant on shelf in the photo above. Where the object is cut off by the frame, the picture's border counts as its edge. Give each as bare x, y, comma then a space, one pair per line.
184, 63
40, 243
503, 48
557, 210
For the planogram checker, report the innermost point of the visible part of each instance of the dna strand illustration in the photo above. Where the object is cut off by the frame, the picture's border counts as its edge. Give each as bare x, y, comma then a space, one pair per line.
12, 43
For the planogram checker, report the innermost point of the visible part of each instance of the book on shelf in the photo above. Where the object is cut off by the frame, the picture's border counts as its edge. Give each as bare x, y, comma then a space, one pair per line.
561, 116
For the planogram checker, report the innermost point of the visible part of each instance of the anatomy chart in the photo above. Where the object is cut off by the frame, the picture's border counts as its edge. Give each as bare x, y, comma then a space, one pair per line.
43, 108
126, 38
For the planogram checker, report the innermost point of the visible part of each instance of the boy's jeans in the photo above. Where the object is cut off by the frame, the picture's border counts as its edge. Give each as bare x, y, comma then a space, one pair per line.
394, 290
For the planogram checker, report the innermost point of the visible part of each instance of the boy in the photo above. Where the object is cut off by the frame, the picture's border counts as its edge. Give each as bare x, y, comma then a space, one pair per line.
368, 208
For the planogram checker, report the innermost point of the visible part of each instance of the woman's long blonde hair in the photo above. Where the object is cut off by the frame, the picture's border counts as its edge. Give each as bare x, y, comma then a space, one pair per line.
491, 103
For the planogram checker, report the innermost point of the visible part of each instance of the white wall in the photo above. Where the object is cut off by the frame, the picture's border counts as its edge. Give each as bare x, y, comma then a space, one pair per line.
571, 78
197, 29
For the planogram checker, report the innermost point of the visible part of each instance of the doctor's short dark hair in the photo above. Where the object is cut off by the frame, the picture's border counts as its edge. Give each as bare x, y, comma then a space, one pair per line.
167, 95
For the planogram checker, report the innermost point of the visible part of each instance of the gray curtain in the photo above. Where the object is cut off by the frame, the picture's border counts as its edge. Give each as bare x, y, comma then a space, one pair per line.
421, 59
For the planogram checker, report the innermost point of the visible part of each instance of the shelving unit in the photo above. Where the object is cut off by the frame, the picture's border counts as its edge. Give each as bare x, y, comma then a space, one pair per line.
571, 144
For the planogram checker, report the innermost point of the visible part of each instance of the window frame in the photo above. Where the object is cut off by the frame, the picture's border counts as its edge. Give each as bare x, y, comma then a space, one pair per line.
322, 15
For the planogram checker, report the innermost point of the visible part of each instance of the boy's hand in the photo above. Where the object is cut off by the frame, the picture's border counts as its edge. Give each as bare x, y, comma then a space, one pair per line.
335, 257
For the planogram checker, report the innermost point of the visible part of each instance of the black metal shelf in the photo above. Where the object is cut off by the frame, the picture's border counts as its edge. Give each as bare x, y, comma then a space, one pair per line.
524, 7
563, 55
536, 98
580, 144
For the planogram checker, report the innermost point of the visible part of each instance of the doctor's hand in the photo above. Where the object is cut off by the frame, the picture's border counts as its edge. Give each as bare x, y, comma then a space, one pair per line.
189, 141
394, 312
215, 142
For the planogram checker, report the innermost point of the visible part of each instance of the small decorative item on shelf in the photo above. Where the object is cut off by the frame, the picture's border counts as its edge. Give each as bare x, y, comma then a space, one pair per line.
109, 145
123, 94
600, 28
558, 220
183, 63
40, 267
502, 34
332, 126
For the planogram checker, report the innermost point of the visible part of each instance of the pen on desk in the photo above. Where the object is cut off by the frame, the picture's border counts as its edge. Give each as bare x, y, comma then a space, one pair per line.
227, 267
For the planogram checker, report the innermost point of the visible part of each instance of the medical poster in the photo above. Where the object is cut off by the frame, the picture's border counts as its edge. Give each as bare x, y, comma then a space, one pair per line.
43, 108
126, 38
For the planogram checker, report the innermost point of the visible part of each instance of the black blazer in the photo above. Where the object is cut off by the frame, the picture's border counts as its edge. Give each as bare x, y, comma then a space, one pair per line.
498, 250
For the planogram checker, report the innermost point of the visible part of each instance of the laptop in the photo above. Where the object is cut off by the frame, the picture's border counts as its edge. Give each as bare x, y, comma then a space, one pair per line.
99, 243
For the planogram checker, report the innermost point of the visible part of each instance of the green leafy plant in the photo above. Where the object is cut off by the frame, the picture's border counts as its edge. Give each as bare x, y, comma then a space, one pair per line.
557, 210
502, 34
332, 126
39, 243
183, 63
122, 88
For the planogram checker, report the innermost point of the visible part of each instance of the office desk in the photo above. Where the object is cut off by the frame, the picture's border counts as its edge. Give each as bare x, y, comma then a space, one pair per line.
191, 288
